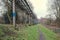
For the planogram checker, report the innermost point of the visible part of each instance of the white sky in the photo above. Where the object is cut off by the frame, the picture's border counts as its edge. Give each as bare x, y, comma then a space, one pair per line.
40, 7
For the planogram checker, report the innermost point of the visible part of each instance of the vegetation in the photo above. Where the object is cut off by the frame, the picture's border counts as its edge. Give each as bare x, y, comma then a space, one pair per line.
49, 34
9, 33
26, 33
54, 9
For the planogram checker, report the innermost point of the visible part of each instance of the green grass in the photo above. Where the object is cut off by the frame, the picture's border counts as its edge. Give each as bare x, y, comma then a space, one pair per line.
26, 33
29, 33
49, 35
33, 33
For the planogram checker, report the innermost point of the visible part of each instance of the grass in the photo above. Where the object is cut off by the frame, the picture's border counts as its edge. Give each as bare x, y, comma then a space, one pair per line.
26, 33
29, 33
49, 34
33, 33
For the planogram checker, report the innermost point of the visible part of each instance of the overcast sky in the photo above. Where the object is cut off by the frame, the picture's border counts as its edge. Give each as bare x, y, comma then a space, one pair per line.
40, 7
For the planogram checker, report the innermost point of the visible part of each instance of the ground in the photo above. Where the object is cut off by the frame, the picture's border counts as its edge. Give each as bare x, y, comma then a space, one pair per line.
35, 32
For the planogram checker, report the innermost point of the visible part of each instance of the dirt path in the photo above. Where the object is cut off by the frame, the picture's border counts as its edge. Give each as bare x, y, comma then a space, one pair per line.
41, 35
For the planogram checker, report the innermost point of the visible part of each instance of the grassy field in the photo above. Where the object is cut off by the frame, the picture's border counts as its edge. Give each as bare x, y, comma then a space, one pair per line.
26, 33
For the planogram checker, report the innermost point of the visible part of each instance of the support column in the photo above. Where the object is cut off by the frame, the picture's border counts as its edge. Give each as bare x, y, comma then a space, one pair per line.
14, 14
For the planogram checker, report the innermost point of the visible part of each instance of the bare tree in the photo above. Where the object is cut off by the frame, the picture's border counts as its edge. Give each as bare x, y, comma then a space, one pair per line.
54, 8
